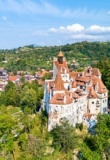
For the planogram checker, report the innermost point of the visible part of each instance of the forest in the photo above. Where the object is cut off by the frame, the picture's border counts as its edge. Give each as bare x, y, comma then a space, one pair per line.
23, 126
30, 58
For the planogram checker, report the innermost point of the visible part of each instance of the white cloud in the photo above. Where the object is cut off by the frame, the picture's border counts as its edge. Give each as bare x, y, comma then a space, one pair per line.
75, 28
99, 29
78, 32
68, 29
85, 36
78, 28
54, 30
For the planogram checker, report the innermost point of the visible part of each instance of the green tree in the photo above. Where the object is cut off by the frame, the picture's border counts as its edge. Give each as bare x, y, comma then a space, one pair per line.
22, 141
64, 137
12, 97
29, 98
103, 131
35, 147
8, 130
47, 76
99, 144
87, 154
9, 86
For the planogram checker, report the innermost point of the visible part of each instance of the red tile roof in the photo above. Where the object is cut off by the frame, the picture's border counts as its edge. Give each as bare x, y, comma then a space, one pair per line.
60, 54
61, 98
13, 78
92, 93
74, 84
95, 71
73, 74
59, 83
100, 86
61, 65
83, 79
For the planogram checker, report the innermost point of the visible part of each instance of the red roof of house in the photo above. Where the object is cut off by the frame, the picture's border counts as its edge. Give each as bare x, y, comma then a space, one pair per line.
13, 78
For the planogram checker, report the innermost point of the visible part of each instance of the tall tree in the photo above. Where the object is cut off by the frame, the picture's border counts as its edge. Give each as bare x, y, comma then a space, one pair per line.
64, 137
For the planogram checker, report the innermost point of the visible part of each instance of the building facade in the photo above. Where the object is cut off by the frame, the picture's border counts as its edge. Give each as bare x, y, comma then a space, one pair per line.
75, 96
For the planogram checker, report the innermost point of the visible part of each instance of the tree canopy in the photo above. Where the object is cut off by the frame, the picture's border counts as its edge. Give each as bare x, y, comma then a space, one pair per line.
64, 136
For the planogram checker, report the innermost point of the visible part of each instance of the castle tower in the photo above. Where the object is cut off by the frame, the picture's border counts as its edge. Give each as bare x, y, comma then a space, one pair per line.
60, 57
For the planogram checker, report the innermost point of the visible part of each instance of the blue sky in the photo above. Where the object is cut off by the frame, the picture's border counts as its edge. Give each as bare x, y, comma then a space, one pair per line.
53, 22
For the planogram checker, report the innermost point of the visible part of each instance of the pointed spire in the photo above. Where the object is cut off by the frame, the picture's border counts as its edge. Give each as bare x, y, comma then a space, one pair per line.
60, 57
60, 54
59, 83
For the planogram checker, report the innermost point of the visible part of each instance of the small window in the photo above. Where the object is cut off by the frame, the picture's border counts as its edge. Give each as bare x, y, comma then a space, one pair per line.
97, 102
68, 87
81, 87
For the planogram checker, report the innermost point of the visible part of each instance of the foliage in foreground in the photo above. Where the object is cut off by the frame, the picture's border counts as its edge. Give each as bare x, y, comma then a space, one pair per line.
64, 137
25, 136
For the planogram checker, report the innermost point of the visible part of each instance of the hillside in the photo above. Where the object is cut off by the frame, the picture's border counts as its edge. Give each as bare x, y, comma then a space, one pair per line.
31, 58
23, 128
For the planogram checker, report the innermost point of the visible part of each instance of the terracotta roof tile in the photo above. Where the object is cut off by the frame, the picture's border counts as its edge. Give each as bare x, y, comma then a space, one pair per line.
61, 98
60, 54
73, 74
100, 86
75, 95
83, 79
61, 65
59, 83
95, 71
92, 93
74, 84
13, 78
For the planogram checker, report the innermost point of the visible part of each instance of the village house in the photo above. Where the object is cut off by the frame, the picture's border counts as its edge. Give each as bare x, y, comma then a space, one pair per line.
75, 96
15, 79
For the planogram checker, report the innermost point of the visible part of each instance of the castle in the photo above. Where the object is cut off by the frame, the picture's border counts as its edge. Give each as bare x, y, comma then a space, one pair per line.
76, 96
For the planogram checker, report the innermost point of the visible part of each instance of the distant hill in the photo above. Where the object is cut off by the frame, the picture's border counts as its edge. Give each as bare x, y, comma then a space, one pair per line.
33, 57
